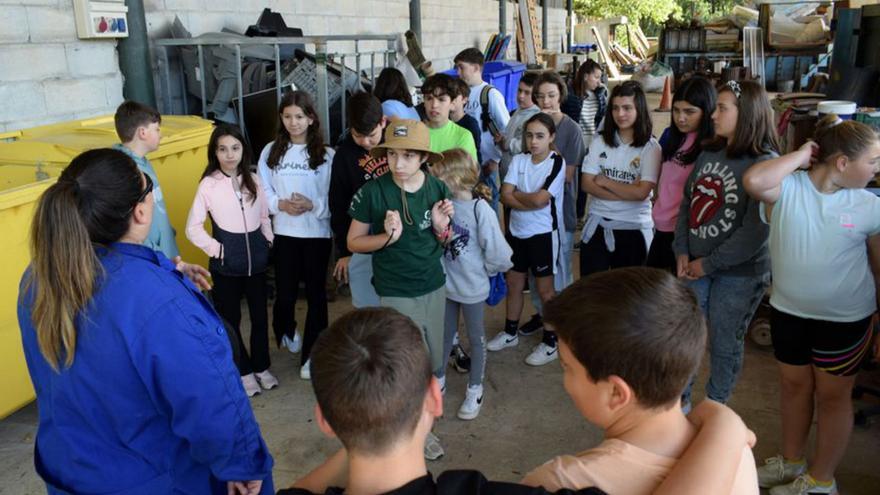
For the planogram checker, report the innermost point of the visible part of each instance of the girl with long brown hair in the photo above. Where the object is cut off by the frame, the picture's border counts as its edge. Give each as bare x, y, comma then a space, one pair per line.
295, 172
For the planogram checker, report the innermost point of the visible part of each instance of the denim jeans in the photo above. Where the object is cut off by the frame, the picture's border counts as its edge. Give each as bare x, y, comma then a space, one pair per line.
729, 303
360, 281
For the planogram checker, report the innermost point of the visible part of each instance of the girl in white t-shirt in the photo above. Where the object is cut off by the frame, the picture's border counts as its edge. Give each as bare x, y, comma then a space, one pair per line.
533, 190
619, 173
824, 226
295, 170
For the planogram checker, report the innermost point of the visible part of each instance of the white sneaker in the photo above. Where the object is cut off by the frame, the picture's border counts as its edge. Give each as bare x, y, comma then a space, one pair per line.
433, 450
251, 387
542, 354
473, 400
805, 485
776, 471
267, 380
502, 340
293, 345
306, 371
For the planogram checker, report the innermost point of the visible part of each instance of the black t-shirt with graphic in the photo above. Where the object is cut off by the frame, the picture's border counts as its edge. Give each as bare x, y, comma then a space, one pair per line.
352, 168
459, 482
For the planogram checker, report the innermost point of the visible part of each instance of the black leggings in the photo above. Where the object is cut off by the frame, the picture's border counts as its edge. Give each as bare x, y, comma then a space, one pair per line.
629, 250
227, 294
301, 259
660, 255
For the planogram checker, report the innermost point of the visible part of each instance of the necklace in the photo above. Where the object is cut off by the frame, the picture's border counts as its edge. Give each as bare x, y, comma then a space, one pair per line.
407, 218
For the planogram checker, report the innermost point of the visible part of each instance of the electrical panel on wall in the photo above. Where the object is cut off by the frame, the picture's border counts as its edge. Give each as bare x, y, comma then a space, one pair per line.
101, 19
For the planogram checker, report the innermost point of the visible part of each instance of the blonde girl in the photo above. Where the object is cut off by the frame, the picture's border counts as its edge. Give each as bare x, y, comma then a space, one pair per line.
476, 251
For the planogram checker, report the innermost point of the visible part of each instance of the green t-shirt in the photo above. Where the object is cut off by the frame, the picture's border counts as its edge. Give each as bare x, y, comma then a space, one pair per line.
411, 266
452, 136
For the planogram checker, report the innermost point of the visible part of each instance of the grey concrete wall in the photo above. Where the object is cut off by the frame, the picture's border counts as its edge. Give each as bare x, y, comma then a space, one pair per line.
47, 75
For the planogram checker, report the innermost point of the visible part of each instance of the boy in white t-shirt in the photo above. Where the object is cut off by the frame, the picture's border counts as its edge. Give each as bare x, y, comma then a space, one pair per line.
493, 120
619, 173
533, 190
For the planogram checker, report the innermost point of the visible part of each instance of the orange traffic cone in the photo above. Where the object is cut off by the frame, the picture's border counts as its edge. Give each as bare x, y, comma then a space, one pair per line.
666, 99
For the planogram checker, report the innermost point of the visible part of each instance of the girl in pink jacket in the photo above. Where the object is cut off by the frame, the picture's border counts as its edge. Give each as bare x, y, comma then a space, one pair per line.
232, 198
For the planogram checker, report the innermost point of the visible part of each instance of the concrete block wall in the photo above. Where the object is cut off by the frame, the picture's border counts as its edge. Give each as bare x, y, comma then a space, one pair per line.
46, 73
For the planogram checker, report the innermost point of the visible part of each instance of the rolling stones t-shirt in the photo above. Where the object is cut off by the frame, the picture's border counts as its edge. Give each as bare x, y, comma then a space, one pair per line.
718, 220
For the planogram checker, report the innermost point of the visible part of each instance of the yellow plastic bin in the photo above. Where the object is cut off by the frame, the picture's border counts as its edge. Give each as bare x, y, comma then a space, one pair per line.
20, 187
30, 159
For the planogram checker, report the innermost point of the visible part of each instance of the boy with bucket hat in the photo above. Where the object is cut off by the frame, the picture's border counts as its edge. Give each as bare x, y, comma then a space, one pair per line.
404, 218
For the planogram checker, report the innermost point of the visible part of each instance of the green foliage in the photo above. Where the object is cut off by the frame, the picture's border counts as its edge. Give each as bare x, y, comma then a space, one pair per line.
651, 14
654, 11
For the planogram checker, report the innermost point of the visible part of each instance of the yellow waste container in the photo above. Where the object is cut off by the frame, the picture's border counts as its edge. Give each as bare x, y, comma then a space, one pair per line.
30, 159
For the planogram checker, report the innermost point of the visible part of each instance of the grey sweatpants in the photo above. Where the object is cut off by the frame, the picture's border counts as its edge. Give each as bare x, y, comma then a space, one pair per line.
427, 313
473, 323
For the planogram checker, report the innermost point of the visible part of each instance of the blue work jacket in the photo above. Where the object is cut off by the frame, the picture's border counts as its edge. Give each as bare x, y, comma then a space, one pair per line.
152, 402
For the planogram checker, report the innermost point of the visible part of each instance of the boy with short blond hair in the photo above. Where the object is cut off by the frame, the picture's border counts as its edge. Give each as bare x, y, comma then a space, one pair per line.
137, 126
624, 367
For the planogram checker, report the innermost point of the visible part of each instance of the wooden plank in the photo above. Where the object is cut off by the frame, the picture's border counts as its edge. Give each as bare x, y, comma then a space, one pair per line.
531, 50
520, 42
533, 22
603, 52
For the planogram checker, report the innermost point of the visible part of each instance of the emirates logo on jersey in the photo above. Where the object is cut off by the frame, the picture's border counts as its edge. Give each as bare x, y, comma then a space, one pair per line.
707, 200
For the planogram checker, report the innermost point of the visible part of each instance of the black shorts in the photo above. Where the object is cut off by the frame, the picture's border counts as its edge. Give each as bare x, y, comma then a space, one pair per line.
537, 252
833, 347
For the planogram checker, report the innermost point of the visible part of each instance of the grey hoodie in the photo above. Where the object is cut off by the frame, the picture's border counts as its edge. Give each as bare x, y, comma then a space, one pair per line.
477, 250
719, 221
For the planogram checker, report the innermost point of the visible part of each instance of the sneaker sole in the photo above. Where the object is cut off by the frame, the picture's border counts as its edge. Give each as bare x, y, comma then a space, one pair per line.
468, 417
505, 346
543, 362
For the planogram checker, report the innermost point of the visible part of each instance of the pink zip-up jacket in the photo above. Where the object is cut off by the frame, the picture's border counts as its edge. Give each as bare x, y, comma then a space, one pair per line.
233, 214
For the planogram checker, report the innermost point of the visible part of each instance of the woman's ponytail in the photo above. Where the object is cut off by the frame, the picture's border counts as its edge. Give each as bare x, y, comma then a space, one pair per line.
91, 203
63, 269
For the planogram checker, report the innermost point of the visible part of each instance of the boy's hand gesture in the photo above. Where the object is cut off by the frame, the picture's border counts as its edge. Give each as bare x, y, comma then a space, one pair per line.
393, 226
441, 213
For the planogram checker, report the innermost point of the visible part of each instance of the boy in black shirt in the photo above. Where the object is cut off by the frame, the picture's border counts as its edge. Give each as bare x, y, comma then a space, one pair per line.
375, 391
352, 168
458, 115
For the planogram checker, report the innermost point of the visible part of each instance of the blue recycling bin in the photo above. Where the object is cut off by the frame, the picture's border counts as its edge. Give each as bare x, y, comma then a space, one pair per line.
504, 75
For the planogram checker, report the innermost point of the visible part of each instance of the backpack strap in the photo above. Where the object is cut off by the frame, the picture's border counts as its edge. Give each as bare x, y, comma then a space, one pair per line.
485, 116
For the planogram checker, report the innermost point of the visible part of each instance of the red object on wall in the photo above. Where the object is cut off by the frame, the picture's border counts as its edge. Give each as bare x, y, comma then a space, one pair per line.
102, 26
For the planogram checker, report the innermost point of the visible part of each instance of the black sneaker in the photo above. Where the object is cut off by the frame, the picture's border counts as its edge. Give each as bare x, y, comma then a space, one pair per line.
459, 359
536, 324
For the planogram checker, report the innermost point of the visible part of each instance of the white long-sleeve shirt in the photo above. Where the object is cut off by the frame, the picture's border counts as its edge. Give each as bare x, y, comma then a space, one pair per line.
293, 175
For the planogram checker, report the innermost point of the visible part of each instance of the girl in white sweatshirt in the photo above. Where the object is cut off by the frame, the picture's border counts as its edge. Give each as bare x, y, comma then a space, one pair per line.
295, 169
233, 199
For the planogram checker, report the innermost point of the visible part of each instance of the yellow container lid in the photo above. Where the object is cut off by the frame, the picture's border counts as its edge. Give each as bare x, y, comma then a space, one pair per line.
57, 144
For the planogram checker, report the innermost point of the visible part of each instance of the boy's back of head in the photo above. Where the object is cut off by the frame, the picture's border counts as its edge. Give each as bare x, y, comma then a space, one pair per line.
364, 112
370, 372
463, 89
640, 324
470, 56
131, 115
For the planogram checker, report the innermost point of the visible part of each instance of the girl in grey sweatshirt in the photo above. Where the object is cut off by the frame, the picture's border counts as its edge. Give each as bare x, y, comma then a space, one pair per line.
477, 251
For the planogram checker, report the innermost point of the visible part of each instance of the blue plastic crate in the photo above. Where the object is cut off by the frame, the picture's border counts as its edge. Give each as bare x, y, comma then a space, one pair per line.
504, 75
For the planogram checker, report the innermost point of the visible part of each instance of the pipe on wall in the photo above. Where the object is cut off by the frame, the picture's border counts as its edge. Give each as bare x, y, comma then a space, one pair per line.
134, 57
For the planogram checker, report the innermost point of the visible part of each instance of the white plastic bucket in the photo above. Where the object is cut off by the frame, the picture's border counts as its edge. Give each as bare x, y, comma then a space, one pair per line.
846, 110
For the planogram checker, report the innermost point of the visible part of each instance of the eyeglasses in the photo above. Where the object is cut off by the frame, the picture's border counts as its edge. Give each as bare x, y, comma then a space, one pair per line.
148, 188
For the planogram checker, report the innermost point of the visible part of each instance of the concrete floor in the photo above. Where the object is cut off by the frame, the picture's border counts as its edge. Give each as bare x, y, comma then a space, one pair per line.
526, 418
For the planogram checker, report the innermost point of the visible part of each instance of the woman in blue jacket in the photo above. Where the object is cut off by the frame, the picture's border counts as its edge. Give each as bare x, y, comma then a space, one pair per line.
136, 388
